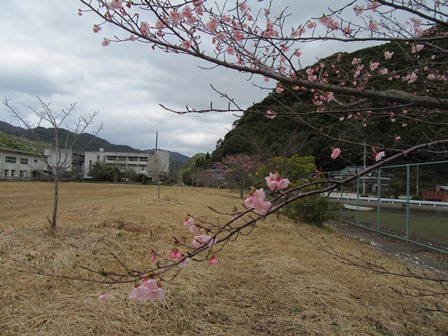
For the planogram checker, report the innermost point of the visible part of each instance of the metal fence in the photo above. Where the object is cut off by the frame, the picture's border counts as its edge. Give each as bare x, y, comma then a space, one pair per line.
410, 204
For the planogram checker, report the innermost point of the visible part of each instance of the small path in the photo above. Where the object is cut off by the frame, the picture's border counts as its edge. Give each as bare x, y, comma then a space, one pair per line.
413, 253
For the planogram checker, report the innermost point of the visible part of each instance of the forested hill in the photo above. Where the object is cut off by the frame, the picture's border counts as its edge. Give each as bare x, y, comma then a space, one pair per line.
299, 129
14, 137
86, 142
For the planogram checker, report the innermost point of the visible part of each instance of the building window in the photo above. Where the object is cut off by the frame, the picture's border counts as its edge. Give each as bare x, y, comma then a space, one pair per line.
10, 159
13, 172
35, 161
6, 172
22, 173
97, 157
24, 161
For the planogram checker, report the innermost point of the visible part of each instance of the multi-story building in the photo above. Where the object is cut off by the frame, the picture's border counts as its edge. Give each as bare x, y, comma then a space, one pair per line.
17, 164
153, 164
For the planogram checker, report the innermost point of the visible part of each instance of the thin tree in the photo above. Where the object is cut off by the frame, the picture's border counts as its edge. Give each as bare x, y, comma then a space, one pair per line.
57, 154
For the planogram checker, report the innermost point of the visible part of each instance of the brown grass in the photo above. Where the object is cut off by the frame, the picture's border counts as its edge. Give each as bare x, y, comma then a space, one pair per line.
272, 282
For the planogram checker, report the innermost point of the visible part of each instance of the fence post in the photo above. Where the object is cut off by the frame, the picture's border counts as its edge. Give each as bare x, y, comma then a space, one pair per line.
378, 217
357, 200
408, 191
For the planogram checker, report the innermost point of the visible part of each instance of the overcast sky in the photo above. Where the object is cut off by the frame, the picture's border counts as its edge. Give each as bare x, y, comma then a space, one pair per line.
48, 51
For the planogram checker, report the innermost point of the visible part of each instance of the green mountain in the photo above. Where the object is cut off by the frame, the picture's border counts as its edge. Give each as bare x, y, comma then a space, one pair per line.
299, 129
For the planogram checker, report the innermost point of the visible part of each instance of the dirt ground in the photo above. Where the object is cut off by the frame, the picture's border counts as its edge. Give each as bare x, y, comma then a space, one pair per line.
273, 281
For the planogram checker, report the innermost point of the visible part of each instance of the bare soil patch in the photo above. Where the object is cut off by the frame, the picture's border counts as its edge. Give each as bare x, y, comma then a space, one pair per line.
271, 282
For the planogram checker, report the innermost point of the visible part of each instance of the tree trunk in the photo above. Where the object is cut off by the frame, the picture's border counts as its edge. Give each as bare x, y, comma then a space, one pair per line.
55, 203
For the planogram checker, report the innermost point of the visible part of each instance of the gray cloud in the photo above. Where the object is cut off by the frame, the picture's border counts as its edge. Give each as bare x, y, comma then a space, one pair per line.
47, 50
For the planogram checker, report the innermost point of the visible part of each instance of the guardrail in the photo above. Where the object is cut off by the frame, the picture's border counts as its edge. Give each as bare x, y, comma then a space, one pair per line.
388, 200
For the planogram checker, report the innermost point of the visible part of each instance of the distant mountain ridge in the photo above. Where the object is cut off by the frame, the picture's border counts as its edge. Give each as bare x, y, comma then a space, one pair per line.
86, 142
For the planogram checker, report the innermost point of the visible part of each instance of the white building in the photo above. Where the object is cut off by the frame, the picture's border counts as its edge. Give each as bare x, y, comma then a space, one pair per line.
152, 164
60, 159
17, 164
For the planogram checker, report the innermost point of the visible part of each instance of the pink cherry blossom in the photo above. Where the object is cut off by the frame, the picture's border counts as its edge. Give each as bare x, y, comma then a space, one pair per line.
283, 183
175, 254
347, 31
238, 35
193, 229
297, 53
213, 261
373, 26
262, 208
359, 10
379, 156
105, 42
270, 114
431, 77
256, 202
175, 17
203, 240
411, 78
279, 88
311, 25
374, 66
242, 7
104, 297
221, 36
186, 44
356, 61
250, 202
115, 4
150, 290
230, 50
144, 28
373, 6
185, 263
388, 55
397, 138
274, 182
189, 221
212, 25
199, 10
416, 48
335, 153
160, 24
271, 177
96, 28
417, 22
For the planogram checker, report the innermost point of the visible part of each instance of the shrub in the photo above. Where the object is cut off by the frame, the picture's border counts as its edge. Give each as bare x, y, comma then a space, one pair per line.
315, 210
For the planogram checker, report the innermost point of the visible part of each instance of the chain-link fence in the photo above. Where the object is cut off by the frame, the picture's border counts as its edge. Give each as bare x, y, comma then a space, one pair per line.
409, 202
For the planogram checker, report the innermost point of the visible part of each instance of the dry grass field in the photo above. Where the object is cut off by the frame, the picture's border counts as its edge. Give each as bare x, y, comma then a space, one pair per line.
272, 282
